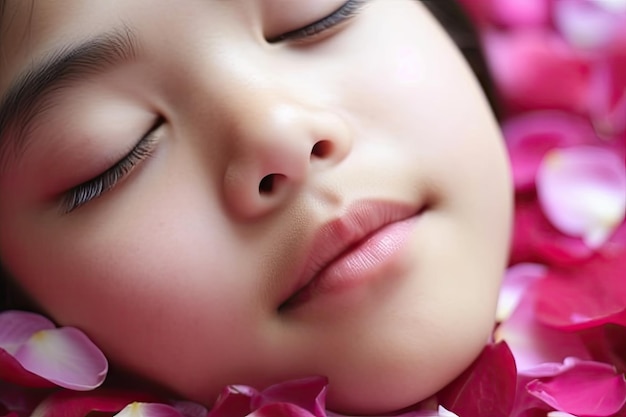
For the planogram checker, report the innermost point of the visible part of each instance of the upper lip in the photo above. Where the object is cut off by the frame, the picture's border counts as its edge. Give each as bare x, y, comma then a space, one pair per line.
337, 236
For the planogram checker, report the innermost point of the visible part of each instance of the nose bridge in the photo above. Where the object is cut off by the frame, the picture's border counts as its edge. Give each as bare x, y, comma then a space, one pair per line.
267, 124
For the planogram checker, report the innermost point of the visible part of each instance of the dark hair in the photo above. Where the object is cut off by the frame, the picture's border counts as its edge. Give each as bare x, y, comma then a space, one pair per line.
450, 15
456, 22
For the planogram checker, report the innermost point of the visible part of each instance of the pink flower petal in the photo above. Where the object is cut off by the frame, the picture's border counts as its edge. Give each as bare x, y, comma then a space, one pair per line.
532, 343
12, 371
585, 296
80, 404
281, 410
486, 388
148, 410
582, 190
520, 12
537, 70
16, 327
308, 393
233, 401
517, 280
607, 98
582, 388
531, 136
535, 239
584, 24
19, 399
64, 356
189, 409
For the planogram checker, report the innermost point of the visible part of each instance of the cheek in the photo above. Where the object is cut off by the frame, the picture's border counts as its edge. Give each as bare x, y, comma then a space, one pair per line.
161, 272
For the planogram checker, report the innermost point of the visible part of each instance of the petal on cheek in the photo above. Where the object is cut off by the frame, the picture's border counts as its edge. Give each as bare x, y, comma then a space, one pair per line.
64, 356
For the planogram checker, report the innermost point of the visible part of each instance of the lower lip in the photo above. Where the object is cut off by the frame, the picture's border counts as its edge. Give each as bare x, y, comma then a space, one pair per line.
359, 265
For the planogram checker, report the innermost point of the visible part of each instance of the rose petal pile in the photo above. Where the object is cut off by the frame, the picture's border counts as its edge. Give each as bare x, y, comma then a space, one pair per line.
559, 345
559, 67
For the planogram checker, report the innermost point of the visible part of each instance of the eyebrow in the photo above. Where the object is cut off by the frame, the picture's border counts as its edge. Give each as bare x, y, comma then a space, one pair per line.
26, 97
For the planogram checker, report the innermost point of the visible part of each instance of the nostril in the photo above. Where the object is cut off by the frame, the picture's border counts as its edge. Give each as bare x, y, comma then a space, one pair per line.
269, 182
322, 149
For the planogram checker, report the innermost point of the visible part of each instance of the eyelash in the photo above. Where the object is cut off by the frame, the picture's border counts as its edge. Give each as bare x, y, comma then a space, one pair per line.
95, 187
347, 11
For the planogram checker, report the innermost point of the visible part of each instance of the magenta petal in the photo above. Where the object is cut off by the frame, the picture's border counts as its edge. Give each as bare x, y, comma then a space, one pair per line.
486, 388
307, 393
16, 327
19, 399
582, 388
535, 239
520, 12
584, 296
80, 404
281, 410
234, 401
582, 190
64, 356
536, 69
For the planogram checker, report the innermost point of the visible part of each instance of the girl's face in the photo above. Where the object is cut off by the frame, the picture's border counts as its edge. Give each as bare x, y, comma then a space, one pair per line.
248, 191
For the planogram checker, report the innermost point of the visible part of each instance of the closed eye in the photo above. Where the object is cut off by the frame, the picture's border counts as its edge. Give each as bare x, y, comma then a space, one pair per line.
94, 188
346, 11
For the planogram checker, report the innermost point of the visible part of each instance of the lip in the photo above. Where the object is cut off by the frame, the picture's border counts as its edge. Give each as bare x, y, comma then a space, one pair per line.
347, 250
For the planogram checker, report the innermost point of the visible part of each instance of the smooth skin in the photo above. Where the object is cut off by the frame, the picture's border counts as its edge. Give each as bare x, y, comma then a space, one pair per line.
179, 271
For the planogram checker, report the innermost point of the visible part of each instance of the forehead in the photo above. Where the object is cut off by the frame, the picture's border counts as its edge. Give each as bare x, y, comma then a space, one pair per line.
31, 28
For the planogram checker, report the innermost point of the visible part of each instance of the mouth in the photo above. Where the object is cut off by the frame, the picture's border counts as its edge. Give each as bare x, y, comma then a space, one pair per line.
350, 249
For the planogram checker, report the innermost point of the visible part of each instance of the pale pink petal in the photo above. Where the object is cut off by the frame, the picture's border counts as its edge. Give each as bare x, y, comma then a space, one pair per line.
582, 191
12, 371
16, 327
584, 24
443, 412
559, 414
582, 388
148, 410
533, 343
531, 136
516, 281
64, 356
614, 6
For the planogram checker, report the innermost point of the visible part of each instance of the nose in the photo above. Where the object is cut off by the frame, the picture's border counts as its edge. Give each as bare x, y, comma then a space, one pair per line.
276, 145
